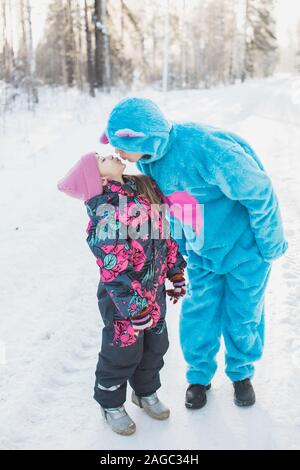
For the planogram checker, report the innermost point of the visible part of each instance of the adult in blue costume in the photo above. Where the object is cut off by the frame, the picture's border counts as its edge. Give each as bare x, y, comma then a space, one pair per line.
229, 261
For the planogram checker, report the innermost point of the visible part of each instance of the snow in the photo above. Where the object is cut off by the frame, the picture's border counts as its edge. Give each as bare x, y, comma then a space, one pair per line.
50, 324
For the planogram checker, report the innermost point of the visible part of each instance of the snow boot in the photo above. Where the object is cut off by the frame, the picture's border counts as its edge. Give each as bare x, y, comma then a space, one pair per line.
244, 394
119, 421
152, 406
195, 397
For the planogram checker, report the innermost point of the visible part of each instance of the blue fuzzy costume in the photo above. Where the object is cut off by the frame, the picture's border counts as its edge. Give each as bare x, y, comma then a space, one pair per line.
229, 268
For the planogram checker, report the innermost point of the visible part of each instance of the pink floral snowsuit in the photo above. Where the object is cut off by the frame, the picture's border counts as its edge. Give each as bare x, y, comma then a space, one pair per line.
132, 277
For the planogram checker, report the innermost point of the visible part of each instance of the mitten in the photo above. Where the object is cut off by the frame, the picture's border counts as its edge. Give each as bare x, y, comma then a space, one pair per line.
178, 291
141, 321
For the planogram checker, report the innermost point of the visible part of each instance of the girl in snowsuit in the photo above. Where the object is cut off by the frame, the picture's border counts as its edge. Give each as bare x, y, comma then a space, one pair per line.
229, 259
129, 237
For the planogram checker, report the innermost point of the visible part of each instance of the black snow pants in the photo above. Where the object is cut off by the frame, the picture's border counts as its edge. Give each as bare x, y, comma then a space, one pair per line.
138, 363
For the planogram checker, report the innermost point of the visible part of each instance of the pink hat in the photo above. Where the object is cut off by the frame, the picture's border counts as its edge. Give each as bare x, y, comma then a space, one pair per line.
83, 180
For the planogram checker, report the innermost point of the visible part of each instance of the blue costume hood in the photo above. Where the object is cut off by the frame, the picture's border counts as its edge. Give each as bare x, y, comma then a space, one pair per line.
138, 125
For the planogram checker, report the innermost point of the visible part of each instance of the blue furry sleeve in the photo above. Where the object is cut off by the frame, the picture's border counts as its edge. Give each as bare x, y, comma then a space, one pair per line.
240, 178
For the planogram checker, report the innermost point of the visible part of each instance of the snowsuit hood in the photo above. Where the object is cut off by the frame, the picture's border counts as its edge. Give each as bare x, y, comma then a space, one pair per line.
138, 125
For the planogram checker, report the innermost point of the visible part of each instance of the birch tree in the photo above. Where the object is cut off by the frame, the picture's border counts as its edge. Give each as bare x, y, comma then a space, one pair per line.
90, 66
166, 49
260, 38
96, 44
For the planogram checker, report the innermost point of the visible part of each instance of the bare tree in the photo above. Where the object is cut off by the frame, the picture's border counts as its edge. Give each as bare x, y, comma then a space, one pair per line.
260, 38
99, 44
166, 49
90, 65
183, 45
32, 89
50, 53
22, 53
107, 71
79, 45
69, 43
5, 66
104, 43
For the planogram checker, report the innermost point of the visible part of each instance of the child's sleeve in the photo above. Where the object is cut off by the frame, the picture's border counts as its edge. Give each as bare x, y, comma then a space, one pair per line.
176, 264
240, 178
106, 239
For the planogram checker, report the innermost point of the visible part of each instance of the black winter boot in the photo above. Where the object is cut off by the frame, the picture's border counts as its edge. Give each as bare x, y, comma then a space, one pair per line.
195, 397
244, 394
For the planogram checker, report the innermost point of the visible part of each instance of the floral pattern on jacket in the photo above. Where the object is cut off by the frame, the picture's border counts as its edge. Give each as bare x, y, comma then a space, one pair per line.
133, 270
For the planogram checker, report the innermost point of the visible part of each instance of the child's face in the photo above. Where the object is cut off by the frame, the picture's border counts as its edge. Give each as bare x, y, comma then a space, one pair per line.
129, 156
110, 166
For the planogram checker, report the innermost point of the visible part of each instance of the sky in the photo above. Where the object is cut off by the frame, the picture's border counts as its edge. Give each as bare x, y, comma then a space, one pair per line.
288, 14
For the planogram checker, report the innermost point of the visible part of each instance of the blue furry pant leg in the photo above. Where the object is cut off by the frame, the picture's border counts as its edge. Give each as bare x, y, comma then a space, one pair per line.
231, 304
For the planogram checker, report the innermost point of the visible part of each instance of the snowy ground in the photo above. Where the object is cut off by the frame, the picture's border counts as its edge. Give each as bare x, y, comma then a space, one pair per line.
50, 324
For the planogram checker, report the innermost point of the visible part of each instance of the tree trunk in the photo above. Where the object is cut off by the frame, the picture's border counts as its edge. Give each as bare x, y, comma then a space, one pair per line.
32, 92
183, 46
166, 49
69, 44
23, 45
107, 71
99, 44
78, 38
90, 68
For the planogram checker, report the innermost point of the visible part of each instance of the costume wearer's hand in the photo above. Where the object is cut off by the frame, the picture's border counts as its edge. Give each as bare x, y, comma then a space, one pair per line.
178, 291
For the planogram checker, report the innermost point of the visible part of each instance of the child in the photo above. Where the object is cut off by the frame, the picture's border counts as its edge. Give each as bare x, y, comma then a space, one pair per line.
134, 264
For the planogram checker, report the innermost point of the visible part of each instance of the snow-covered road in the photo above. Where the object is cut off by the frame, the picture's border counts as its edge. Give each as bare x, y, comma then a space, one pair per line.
50, 324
